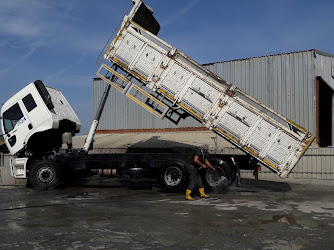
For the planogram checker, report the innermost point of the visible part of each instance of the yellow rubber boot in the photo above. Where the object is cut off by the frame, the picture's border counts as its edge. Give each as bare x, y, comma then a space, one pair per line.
203, 195
188, 197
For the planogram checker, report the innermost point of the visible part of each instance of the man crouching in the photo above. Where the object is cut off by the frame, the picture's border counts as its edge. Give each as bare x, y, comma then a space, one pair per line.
198, 161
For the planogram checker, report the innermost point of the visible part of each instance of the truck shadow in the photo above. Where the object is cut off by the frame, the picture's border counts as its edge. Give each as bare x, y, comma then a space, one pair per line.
252, 185
156, 144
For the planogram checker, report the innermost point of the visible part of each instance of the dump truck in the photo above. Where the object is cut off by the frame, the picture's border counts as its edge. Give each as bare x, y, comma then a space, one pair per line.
166, 82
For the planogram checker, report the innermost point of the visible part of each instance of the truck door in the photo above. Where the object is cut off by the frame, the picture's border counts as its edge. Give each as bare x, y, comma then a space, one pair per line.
16, 123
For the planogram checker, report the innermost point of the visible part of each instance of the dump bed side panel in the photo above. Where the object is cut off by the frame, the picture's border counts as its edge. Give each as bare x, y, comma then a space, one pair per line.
259, 131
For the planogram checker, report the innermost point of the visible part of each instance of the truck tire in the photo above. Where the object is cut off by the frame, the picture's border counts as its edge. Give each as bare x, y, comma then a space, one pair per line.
174, 177
43, 175
220, 179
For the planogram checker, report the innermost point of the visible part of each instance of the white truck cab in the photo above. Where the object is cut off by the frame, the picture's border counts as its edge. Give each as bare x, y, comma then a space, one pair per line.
35, 119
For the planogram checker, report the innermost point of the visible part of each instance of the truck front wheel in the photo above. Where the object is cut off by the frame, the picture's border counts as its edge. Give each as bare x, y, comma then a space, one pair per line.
43, 175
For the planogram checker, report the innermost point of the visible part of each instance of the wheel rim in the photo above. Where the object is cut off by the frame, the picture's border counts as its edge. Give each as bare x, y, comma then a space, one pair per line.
45, 175
173, 176
214, 178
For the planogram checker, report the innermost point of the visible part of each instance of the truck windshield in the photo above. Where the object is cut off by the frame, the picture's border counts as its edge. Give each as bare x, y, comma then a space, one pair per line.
11, 117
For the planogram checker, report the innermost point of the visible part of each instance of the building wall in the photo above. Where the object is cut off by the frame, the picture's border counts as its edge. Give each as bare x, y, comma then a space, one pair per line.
317, 163
324, 67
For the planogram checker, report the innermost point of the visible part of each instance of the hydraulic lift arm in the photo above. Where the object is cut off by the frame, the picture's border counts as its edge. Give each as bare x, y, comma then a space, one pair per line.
90, 137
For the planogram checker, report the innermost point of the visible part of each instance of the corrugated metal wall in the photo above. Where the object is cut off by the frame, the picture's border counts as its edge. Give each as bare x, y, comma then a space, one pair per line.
283, 82
122, 113
324, 67
317, 163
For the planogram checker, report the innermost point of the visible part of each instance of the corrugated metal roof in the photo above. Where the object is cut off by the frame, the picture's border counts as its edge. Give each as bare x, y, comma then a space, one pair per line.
311, 50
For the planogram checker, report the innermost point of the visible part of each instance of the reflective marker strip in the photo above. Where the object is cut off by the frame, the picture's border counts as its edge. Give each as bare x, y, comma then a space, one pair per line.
190, 110
171, 97
110, 82
114, 59
269, 163
121, 31
140, 103
307, 145
251, 151
115, 73
227, 135
151, 97
139, 75
302, 129
138, 25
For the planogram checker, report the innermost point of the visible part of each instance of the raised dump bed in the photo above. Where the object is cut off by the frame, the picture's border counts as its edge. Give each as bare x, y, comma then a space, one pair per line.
163, 80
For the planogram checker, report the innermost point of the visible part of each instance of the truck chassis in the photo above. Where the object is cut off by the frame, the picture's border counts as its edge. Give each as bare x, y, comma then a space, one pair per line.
169, 169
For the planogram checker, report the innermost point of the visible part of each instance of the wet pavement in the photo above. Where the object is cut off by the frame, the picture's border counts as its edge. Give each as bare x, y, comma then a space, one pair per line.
259, 215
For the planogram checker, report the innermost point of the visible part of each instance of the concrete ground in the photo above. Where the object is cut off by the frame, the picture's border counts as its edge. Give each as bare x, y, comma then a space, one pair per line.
259, 215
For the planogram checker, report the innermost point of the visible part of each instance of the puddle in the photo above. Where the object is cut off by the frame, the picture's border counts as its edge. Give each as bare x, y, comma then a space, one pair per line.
78, 197
246, 193
291, 220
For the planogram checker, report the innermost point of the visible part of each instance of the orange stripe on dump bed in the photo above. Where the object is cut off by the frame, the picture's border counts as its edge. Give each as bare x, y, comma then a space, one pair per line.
228, 136
190, 110
169, 96
139, 75
307, 145
251, 151
123, 65
269, 163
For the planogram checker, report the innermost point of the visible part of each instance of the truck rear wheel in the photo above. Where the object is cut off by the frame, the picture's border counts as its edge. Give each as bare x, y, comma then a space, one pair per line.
220, 179
174, 177
43, 175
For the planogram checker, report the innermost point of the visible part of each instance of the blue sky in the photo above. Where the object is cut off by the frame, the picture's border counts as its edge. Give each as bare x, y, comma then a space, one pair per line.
58, 41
